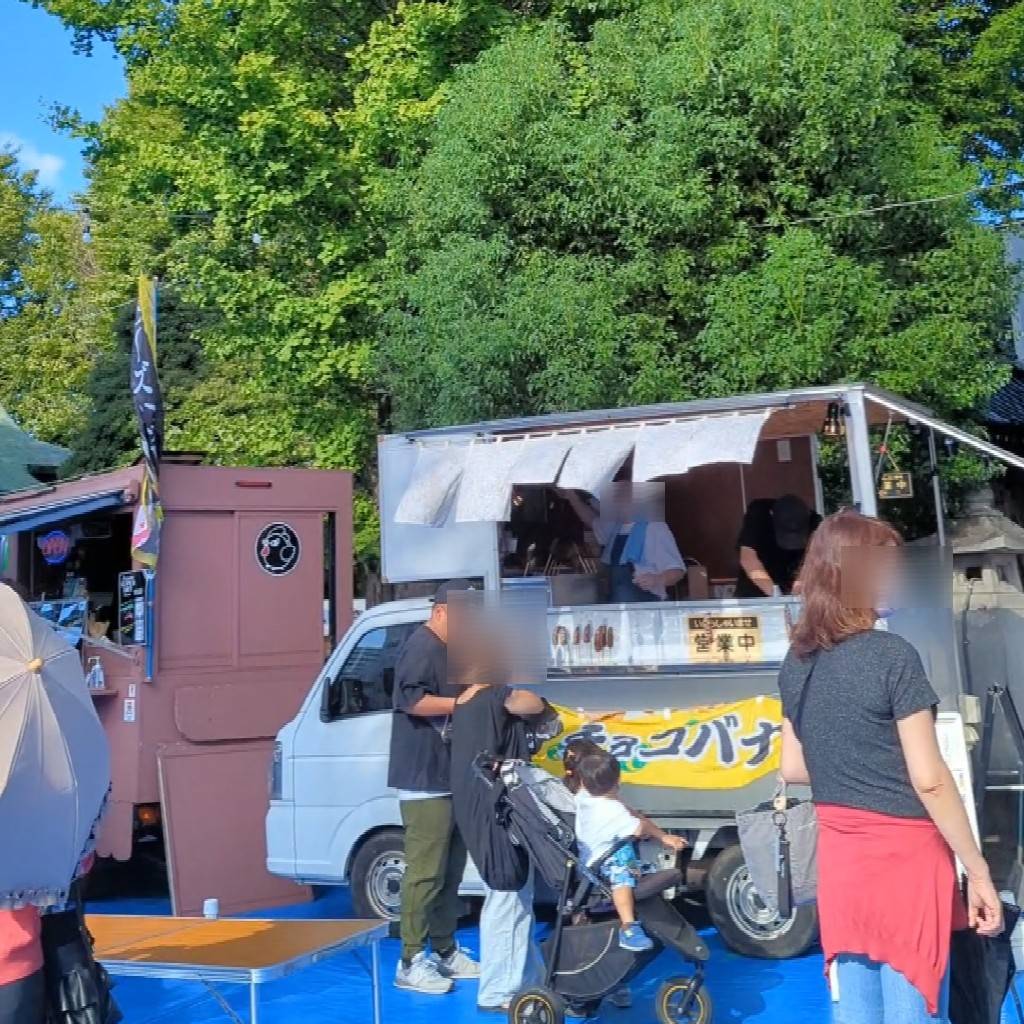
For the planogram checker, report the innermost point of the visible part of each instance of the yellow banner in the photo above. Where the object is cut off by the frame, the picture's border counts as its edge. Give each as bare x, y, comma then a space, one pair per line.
147, 305
726, 746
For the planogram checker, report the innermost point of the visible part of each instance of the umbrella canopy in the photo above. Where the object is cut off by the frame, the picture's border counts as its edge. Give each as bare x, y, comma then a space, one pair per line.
54, 759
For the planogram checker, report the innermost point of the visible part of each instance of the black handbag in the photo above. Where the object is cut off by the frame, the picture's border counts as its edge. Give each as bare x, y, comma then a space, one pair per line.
981, 973
78, 989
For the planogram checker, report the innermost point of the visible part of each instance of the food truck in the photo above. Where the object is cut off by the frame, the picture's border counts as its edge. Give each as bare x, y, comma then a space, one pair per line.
693, 678
193, 666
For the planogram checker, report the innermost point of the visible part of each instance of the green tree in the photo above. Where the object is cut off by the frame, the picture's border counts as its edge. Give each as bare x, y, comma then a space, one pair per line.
47, 326
661, 210
110, 435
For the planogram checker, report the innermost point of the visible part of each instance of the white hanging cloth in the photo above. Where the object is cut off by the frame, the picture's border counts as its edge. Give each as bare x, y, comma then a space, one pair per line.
541, 459
676, 448
432, 486
595, 458
485, 493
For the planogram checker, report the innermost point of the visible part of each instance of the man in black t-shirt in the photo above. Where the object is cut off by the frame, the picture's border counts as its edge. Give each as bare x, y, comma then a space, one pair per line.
772, 543
419, 768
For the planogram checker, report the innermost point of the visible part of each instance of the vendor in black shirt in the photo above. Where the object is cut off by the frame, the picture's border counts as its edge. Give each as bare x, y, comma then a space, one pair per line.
772, 543
420, 768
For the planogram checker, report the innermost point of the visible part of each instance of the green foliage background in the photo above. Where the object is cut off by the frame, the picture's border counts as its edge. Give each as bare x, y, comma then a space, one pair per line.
484, 208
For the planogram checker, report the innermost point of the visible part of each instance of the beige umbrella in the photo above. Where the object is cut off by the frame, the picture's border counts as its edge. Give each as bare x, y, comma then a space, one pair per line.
54, 759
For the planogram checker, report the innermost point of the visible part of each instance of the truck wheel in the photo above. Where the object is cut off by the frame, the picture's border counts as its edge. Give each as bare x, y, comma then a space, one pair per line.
746, 925
377, 876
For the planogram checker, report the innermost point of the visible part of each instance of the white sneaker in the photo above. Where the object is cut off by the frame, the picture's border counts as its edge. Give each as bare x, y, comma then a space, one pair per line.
458, 964
422, 976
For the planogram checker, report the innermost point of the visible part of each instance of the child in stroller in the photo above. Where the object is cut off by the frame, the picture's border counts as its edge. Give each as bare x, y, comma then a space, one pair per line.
603, 824
583, 961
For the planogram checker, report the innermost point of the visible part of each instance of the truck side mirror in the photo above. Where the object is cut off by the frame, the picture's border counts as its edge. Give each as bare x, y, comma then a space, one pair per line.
330, 702
342, 696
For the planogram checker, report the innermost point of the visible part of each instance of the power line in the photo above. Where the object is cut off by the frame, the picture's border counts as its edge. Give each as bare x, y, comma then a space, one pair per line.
870, 211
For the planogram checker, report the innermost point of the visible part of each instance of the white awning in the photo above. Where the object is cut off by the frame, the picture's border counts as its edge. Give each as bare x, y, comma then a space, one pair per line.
433, 485
541, 459
671, 449
485, 493
493, 468
595, 458
479, 477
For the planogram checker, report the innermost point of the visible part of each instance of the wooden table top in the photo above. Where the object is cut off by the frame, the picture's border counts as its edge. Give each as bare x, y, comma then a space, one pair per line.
229, 943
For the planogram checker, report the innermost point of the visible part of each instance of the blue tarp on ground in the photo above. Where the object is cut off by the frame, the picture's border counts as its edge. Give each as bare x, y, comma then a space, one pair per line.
338, 992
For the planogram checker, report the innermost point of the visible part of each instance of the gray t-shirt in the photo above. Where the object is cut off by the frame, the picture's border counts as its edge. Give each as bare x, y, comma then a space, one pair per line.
859, 690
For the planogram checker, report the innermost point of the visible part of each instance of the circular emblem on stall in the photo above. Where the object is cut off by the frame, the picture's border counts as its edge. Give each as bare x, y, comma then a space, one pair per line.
277, 549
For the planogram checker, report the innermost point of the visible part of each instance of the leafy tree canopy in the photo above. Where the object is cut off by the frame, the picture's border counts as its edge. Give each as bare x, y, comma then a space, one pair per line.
47, 326
666, 209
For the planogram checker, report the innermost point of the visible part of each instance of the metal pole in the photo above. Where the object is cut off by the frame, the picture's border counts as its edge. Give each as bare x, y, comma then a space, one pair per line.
985, 756
254, 1001
858, 448
940, 518
150, 577
375, 979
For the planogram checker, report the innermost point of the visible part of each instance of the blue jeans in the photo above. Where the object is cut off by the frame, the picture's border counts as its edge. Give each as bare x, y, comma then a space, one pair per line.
509, 958
874, 993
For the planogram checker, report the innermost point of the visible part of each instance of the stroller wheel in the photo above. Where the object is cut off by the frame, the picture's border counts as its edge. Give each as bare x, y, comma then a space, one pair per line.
536, 1006
677, 1003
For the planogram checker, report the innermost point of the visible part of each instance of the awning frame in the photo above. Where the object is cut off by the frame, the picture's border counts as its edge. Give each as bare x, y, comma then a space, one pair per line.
48, 513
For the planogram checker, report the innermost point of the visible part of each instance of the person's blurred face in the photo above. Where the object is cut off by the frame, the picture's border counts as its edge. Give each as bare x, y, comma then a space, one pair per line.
871, 577
439, 621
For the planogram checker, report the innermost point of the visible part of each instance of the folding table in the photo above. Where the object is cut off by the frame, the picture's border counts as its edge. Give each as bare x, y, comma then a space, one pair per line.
239, 952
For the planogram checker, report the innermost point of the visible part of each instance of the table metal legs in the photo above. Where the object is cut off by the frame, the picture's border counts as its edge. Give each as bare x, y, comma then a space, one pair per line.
254, 1002
375, 978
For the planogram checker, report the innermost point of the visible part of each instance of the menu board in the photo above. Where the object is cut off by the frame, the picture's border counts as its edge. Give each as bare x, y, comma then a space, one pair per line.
646, 637
949, 728
131, 607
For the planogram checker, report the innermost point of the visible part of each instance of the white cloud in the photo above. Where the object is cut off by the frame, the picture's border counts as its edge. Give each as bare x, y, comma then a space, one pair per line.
48, 165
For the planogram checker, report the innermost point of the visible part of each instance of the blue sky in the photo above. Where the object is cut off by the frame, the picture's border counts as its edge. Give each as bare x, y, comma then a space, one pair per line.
38, 68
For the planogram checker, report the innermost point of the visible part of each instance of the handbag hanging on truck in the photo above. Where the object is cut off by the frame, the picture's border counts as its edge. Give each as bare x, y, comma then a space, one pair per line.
779, 840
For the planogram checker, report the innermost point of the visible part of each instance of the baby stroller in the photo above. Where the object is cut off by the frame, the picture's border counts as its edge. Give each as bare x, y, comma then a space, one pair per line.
583, 961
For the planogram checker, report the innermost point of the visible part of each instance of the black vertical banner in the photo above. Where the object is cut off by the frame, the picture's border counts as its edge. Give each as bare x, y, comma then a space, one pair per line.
149, 406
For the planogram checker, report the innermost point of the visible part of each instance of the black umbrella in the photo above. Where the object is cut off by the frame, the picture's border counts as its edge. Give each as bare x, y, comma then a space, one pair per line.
981, 970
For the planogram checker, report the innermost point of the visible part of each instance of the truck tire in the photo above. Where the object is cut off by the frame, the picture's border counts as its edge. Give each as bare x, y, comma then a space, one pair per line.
376, 876
744, 923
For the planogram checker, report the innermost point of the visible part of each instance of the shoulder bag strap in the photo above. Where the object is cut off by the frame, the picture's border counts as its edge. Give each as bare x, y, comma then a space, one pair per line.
779, 802
799, 716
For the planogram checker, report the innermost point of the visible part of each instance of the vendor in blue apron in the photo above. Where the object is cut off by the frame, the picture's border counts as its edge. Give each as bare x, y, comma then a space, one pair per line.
641, 554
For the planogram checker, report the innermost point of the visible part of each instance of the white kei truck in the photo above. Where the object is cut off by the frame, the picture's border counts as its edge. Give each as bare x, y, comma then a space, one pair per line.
446, 500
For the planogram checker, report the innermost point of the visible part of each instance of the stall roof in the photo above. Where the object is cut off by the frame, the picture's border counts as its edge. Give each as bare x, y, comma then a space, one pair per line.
43, 505
792, 413
20, 452
567, 421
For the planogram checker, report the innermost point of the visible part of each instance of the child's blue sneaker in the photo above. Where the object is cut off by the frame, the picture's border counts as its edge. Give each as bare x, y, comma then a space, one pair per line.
635, 939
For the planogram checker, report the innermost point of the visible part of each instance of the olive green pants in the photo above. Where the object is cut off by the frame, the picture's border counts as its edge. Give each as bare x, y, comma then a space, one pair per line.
435, 859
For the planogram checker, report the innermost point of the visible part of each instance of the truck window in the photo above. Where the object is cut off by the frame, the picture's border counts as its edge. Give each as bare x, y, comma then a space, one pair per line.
365, 681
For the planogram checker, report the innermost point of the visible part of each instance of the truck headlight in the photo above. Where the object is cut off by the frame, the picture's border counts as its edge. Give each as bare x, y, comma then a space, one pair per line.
276, 771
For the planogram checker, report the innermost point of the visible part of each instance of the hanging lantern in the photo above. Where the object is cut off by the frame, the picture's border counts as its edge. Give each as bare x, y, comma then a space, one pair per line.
834, 425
